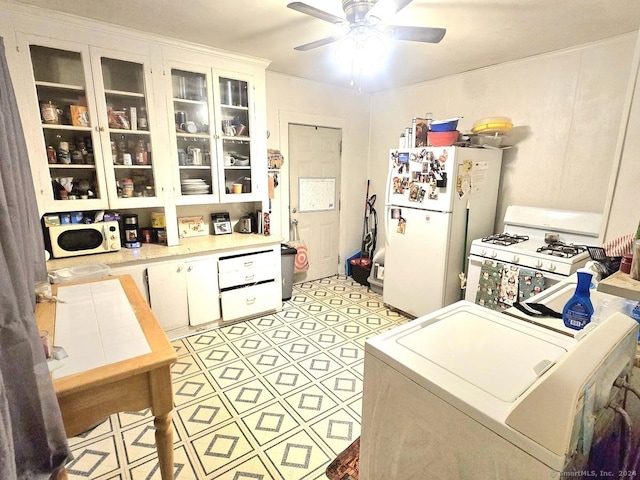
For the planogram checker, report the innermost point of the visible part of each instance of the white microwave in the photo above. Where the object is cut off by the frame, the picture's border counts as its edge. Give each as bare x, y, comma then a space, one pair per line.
84, 239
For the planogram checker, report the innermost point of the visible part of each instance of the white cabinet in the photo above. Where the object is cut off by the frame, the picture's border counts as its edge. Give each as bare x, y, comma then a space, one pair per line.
218, 138
250, 283
95, 115
184, 293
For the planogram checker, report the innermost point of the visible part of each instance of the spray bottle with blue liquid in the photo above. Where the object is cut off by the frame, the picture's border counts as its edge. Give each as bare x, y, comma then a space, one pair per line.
578, 310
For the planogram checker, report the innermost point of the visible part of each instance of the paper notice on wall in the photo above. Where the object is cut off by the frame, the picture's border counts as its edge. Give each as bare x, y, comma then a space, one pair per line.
479, 175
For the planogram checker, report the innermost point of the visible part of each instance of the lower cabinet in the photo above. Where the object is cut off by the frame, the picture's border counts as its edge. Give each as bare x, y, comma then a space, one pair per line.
139, 274
184, 293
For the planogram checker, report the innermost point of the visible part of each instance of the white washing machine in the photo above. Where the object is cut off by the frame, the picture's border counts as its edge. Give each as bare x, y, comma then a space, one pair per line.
469, 393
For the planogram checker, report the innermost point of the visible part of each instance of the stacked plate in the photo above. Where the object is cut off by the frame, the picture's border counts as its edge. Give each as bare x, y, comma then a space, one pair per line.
194, 186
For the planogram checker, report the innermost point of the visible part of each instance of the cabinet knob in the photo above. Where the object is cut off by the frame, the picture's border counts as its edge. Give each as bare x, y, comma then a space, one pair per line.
189, 268
179, 269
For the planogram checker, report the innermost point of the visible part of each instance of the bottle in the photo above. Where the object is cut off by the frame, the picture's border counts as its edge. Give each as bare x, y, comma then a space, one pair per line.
141, 153
142, 119
114, 152
52, 156
579, 309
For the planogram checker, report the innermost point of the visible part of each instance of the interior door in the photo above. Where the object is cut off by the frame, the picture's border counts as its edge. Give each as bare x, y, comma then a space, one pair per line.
314, 185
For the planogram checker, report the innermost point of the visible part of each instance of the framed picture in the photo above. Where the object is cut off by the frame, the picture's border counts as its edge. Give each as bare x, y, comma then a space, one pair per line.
192, 227
222, 228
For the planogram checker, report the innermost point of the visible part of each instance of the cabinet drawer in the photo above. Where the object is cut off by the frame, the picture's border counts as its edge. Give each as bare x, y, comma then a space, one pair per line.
265, 259
249, 301
245, 277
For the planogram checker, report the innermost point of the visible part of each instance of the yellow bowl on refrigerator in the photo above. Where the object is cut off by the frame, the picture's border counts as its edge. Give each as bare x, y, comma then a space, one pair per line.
492, 125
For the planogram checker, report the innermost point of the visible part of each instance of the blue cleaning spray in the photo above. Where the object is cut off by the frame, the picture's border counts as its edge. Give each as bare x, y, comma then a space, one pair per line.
579, 309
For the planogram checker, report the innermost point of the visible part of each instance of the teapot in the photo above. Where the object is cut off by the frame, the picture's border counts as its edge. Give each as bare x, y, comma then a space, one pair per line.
195, 155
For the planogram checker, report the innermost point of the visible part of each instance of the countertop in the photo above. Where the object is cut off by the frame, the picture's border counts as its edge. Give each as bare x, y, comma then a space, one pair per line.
188, 247
621, 285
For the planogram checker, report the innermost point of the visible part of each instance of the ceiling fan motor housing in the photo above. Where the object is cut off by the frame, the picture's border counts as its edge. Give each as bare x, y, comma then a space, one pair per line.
356, 10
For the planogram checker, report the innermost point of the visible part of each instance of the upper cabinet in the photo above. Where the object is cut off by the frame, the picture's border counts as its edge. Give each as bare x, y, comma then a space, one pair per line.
214, 157
96, 122
118, 119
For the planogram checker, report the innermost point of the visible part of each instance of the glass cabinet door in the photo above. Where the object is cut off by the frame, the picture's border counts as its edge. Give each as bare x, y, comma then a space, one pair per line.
67, 115
194, 153
126, 140
237, 180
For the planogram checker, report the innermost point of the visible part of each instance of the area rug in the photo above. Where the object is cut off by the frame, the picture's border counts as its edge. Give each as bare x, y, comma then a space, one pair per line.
346, 465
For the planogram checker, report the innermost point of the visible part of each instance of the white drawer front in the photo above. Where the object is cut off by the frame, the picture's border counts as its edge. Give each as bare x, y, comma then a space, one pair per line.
248, 301
257, 260
245, 277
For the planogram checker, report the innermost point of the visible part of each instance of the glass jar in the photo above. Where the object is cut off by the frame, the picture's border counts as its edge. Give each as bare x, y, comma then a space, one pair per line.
127, 187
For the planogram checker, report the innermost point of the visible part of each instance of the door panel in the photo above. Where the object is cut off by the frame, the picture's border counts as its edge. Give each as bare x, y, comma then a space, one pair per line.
415, 261
168, 294
315, 179
202, 291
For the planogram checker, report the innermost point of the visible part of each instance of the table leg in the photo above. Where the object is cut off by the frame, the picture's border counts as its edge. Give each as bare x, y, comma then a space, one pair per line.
164, 444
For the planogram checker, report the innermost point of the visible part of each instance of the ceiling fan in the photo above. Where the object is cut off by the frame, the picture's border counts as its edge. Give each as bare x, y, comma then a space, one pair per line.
368, 16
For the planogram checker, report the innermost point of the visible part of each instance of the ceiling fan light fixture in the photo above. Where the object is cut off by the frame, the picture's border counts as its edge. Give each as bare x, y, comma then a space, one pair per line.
362, 48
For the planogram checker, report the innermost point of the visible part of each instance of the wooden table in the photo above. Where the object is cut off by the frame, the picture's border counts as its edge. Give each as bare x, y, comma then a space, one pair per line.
129, 385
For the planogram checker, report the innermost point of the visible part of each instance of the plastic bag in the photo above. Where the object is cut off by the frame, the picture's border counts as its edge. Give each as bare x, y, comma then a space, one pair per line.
301, 262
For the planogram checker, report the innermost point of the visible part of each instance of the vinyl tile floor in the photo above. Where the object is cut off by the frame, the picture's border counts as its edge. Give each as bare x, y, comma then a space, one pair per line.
276, 397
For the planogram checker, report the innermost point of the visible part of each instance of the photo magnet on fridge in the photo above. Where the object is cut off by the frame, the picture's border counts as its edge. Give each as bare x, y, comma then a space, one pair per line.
402, 223
396, 213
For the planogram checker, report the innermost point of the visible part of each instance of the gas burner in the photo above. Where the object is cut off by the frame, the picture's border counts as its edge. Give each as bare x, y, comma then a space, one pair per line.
562, 249
505, 239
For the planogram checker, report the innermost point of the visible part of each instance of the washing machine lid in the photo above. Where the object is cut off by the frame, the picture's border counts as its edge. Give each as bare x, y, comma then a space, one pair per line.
484, 349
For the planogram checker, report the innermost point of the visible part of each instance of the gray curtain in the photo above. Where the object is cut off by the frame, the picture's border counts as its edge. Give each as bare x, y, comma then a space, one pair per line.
33, 443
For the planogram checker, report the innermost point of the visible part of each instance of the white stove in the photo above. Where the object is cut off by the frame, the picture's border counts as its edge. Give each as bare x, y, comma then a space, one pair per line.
553, 242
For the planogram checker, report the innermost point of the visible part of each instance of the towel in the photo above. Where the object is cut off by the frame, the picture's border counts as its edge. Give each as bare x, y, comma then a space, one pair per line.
509, 285
488, 285
530, 283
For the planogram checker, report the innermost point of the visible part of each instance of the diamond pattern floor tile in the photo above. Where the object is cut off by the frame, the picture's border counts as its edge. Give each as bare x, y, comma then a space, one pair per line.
272, 398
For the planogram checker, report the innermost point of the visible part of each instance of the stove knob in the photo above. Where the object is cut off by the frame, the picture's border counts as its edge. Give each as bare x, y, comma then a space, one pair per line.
552, 267
494, 254
483, 252
516, 259
539, 264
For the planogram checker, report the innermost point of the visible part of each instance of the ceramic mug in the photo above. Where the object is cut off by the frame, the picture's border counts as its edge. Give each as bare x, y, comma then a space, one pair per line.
229, 161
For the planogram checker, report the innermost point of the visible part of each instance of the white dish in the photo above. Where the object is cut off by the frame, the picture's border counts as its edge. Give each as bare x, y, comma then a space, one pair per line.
197, 192
192, 181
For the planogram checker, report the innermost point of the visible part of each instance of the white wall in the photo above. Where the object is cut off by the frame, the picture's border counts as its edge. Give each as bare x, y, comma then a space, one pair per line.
567, 108
313, 103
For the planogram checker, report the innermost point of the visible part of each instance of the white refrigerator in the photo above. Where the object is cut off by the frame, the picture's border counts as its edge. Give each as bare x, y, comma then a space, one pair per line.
438, 199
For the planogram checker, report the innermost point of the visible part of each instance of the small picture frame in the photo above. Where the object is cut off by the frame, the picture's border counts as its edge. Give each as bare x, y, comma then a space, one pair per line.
222, 228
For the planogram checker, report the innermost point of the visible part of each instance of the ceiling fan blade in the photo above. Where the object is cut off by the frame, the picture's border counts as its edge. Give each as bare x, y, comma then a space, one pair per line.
318, 43
315, 12
417, 34
385, 9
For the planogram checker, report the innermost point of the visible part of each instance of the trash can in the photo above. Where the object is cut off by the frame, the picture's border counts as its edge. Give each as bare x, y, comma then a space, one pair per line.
287, 259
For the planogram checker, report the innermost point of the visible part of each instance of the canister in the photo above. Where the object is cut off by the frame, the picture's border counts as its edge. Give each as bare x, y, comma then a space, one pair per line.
158, 220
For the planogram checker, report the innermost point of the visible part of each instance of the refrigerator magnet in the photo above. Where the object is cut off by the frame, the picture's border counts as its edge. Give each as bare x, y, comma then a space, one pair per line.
402, 223
396, 213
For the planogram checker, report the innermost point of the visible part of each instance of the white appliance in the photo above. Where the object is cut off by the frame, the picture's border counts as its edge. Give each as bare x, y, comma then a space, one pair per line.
522, 244
437, 200
469, 393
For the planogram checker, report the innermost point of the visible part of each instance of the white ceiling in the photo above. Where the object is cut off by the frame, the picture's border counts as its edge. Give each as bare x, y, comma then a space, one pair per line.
479, 32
